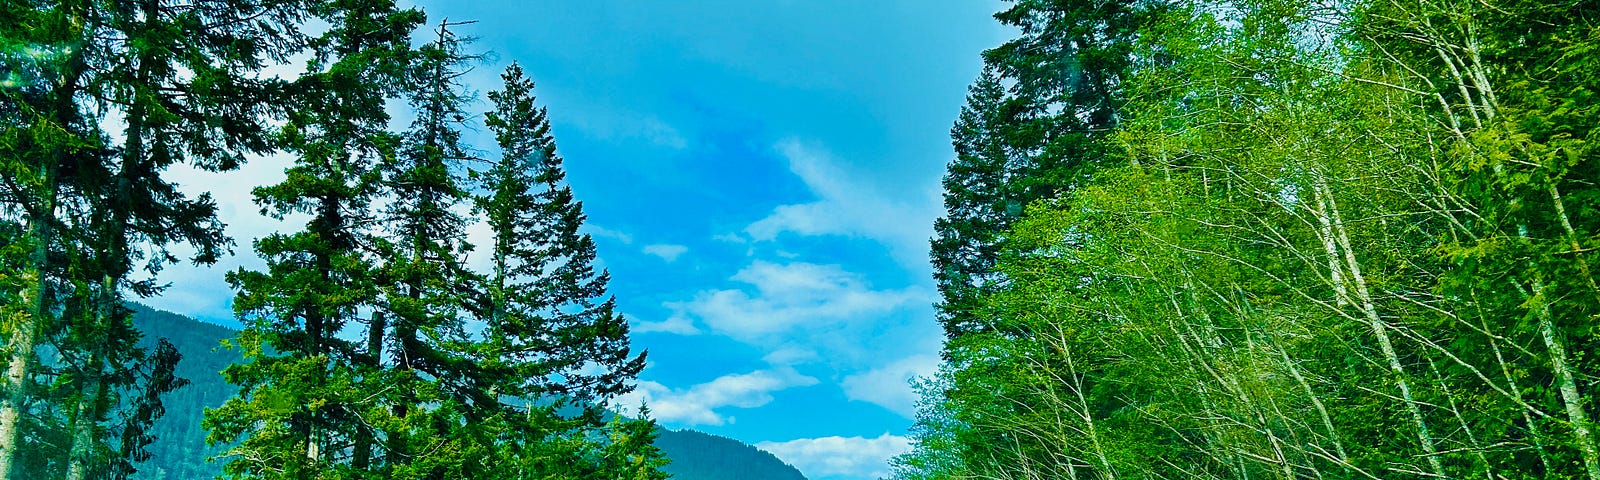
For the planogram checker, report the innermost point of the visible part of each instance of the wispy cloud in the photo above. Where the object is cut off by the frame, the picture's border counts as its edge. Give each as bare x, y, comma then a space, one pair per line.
784, 298
699, 404
849, 457
729, 238
667, 252
675, 324
607, 123
849, 203
603, 232
890, 385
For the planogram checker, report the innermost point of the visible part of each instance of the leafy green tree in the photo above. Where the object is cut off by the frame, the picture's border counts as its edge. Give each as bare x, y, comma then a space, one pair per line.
1343, 245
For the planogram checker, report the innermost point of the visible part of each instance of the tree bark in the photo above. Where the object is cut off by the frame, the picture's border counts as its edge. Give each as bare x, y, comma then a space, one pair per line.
361, 458
1566, 382
1380, 330
80, 464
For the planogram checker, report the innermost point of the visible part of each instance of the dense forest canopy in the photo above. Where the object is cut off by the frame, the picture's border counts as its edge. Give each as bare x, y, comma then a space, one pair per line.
180, 450
1272, 239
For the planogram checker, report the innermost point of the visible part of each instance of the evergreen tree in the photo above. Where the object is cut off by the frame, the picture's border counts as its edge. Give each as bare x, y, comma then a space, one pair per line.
978, 206
630, 452
548, 305
181, 80
50, 133
1037, 123
552, 336
431, 383
299, 412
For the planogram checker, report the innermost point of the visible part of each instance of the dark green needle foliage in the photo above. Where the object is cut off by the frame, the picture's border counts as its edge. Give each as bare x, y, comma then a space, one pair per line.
89, 215
1036, 123
548, 300
552, 336
301, 389
373, 350
430, 384
978, 206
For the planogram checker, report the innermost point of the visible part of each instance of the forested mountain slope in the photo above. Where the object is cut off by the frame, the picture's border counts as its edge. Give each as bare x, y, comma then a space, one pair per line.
180, 452
700, 455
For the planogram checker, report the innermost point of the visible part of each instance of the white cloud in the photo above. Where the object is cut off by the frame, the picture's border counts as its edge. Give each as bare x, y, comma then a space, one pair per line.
729, 238
674, 324
792, 296
666, 251
850, 204
853, 457
698, 405
599, 231
890, 385
200, 290
803, 219
790, 355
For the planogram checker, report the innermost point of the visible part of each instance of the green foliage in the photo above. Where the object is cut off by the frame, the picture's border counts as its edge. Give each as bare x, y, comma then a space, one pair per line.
89, 218
1035, 124
1348, 242
303, 385
371, 350
180, 449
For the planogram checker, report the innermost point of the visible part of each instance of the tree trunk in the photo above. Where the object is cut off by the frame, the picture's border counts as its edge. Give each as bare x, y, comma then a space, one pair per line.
80, 462
361, 459
24, 340
41, 230
1567, 382
1380, 330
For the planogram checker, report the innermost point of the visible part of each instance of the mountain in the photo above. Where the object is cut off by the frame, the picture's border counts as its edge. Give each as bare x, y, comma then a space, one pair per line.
700, 455
180, 450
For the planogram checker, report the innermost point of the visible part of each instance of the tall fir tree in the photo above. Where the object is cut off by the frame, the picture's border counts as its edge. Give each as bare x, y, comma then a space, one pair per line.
1036, 124
552, 336
299, 413
181, 81
978, 206
424, 281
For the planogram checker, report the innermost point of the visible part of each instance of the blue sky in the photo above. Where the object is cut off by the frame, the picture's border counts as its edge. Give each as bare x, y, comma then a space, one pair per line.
761, 177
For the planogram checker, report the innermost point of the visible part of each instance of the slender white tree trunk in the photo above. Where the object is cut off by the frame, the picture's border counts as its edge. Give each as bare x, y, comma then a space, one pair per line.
1582, 427
1566, 382
1380, 330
